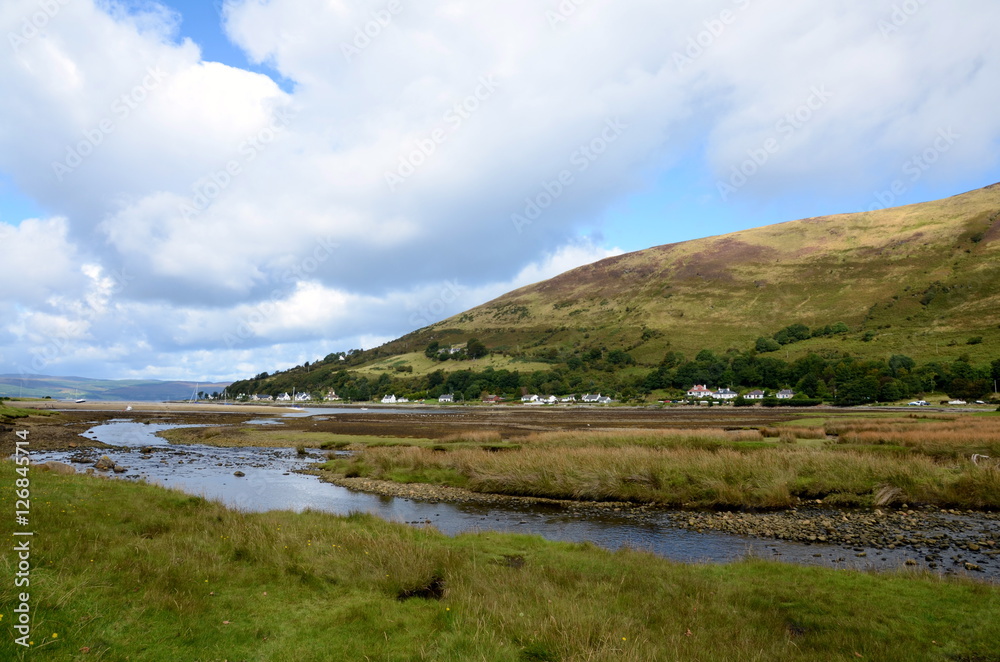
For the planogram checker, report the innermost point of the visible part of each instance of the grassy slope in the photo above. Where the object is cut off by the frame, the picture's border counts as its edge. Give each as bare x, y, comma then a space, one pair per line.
869, 270
135, 572
423, 365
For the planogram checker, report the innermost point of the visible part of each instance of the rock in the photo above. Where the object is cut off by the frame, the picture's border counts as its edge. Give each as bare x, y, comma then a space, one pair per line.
972, 566
910, 562
104, 464
239, 474
119, 469
60, 468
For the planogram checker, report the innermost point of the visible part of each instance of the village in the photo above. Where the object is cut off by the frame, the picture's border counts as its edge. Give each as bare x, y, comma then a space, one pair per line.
697, 394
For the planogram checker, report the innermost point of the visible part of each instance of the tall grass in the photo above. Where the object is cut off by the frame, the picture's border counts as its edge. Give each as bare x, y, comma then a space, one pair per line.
690, 477
960, 436
126, 571
619, 438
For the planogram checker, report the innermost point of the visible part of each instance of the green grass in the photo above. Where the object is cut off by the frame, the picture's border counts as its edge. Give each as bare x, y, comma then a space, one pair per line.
698, 469
423, 365
266, 437
873, 271
136, 572
8, 413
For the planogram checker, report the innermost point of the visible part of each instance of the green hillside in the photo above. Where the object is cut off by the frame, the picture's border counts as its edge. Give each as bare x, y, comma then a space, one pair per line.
914, 279
863, 307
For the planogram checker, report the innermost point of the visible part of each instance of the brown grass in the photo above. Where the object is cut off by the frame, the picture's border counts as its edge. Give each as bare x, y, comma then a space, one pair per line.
472, 437
794, 432
960, 436
617, 438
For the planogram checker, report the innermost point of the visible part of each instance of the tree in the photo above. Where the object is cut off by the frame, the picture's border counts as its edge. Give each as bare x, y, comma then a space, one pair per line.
475, 349
968, 389
858, 391
792, 333
891, 390
620, 358
435, 378
672, 359
765, 345
900, 362
432, 350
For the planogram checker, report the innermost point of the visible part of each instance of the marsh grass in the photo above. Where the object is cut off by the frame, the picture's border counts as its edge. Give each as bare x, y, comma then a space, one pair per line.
951, 438
137, 572
236, 436
8, 413
688, 468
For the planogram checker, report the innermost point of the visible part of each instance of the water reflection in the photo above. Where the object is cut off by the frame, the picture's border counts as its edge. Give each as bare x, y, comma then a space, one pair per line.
270, 483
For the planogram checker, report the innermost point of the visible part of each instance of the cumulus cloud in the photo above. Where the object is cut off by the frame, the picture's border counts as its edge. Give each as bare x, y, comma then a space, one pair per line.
429, 156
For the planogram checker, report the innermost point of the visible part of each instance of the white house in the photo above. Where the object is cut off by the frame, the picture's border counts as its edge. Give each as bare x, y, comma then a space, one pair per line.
755, 395
604, 400
261, 398
284, 397
569, 398
529, 398
786, 394
699, 391
725, 394
448, 397
454, 349
389, 400
592, 397
302, 397
551, 400
332, 395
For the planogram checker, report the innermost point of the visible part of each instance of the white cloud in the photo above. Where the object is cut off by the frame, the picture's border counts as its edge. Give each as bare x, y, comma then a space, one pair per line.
37, 261
206, 193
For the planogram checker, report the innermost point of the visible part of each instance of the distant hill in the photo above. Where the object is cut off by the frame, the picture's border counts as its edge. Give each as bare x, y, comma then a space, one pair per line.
922, 280
58, 388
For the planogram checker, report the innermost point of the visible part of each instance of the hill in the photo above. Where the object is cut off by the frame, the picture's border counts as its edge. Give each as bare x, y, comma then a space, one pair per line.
919, 279
856, 308
130, 390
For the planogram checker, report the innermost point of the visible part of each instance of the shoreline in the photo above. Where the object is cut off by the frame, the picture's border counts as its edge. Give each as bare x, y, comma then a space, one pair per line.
938, 537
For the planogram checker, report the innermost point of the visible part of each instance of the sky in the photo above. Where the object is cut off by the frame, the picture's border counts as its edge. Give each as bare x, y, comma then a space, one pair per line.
209, 189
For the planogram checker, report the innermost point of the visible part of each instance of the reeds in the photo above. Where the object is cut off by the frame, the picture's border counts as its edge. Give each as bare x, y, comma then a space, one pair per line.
695, 477
960, 436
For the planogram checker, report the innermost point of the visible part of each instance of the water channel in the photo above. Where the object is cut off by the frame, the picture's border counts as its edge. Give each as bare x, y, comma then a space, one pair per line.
271, 483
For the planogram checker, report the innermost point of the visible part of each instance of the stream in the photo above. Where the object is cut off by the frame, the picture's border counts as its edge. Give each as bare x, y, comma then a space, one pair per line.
271, 483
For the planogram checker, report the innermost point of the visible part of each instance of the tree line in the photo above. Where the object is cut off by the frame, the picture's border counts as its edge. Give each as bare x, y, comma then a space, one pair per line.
842, 378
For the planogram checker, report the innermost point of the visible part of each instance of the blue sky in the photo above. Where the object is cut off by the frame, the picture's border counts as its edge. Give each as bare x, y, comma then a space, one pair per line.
317, 176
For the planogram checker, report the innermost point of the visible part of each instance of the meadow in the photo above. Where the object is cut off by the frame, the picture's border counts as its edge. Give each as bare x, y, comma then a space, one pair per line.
841, 461
129, 571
